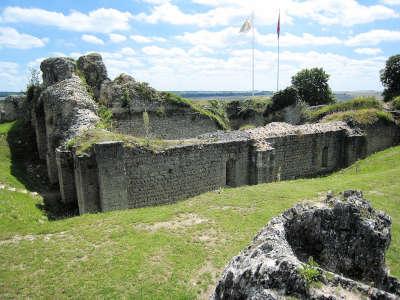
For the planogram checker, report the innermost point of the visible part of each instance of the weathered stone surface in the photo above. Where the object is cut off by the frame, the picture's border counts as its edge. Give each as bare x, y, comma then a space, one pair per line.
94, 70
344, 235
12, 108
63, 110
57, 69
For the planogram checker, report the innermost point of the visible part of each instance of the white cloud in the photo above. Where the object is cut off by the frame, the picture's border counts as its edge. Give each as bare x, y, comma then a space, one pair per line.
11, 38
147, 39
368, 51
103, 20
230, 36
224, 12
374, 37
117, 38
391, 2
10, 79
92, 39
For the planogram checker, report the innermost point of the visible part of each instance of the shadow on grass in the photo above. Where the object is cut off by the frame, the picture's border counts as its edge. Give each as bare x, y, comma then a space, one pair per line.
32, 173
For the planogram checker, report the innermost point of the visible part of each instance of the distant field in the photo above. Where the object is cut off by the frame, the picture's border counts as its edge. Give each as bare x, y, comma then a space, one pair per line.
172, 251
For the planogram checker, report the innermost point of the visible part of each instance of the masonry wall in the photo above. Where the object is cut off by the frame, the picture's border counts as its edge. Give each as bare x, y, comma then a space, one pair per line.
294, 156
381, 136
11, 108
180, 173
177, 124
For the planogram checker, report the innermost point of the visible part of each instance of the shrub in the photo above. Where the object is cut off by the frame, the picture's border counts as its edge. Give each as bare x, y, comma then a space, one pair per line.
310, 271
354, 104
367, 116
312, 86
390, 78
105, 115
284, 98
396, 103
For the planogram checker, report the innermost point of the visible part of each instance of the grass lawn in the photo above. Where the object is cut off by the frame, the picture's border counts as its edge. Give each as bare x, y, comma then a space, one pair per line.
167, 252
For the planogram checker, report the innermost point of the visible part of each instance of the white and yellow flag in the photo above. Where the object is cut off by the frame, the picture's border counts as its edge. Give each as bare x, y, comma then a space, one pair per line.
247, 25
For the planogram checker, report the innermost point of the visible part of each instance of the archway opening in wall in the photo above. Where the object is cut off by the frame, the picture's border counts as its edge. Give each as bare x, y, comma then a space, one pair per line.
231, 172
324, 163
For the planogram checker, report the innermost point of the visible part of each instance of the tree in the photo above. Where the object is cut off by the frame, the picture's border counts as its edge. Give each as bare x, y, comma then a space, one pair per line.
284, 98
390, 77
312, 86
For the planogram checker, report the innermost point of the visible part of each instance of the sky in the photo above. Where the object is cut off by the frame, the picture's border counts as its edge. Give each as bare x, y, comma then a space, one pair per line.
196, 44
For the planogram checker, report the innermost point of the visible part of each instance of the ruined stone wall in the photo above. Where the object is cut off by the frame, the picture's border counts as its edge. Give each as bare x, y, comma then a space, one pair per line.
300, 155
381, 136
176, 124
11, 108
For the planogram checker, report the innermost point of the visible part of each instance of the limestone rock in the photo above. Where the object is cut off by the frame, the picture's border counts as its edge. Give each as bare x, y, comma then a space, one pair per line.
344, 235
57, 69
94, 70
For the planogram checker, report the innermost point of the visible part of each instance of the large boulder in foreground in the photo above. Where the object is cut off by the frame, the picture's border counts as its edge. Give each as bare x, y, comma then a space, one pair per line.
346, 238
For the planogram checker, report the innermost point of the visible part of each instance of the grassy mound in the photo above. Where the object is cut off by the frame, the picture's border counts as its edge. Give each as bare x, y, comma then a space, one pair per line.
84, 142
219, 119
361, 117
354, 104
166, 252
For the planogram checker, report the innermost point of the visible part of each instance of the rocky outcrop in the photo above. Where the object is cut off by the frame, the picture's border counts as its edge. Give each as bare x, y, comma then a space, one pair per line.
57, 69
94, 71
344, 235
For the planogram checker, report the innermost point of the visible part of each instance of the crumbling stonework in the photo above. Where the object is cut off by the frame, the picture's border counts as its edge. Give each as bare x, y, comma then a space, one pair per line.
12, 108
344, 235
94, 71
116, 175
57, 69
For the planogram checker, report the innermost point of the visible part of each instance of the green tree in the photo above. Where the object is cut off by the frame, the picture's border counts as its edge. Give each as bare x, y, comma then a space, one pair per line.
312, 86
284, 98
390, 77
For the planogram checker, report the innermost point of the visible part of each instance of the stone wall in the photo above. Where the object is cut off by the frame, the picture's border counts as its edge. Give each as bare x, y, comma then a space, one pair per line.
11, 108
124, 177
174, 124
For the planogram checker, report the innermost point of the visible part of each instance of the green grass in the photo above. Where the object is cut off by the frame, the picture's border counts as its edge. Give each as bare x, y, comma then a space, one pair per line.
84, 142
113, 255
368, 116
396, 103
353, 104
222, 122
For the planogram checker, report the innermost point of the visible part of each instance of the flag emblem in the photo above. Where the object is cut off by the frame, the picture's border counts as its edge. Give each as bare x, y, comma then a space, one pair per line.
278, 26
246, 26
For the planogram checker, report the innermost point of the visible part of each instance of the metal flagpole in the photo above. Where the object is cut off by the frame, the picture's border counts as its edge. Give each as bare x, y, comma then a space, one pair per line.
253, 44
278, 33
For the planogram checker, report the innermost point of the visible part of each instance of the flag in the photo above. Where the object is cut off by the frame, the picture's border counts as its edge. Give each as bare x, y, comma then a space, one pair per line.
246, 26
278, 26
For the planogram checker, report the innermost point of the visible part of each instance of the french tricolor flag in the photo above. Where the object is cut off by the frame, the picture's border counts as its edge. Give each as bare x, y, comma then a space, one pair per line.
278, 26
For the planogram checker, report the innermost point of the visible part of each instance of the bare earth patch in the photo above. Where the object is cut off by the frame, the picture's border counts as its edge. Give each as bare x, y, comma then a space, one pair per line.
205, 279
181, 221
32, 237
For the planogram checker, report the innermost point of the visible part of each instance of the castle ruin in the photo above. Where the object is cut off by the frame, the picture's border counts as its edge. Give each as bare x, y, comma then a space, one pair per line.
115, 174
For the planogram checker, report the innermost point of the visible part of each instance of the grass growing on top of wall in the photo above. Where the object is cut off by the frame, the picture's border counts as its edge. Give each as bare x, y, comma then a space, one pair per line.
354, 104
362, 117
173, 251
84, 142
396, 103
219, 119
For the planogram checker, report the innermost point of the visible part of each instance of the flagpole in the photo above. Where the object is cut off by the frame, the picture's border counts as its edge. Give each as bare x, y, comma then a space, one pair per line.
253, 45
277, 78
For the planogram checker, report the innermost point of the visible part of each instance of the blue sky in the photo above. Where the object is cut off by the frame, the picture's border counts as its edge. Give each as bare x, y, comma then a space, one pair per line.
196, 44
